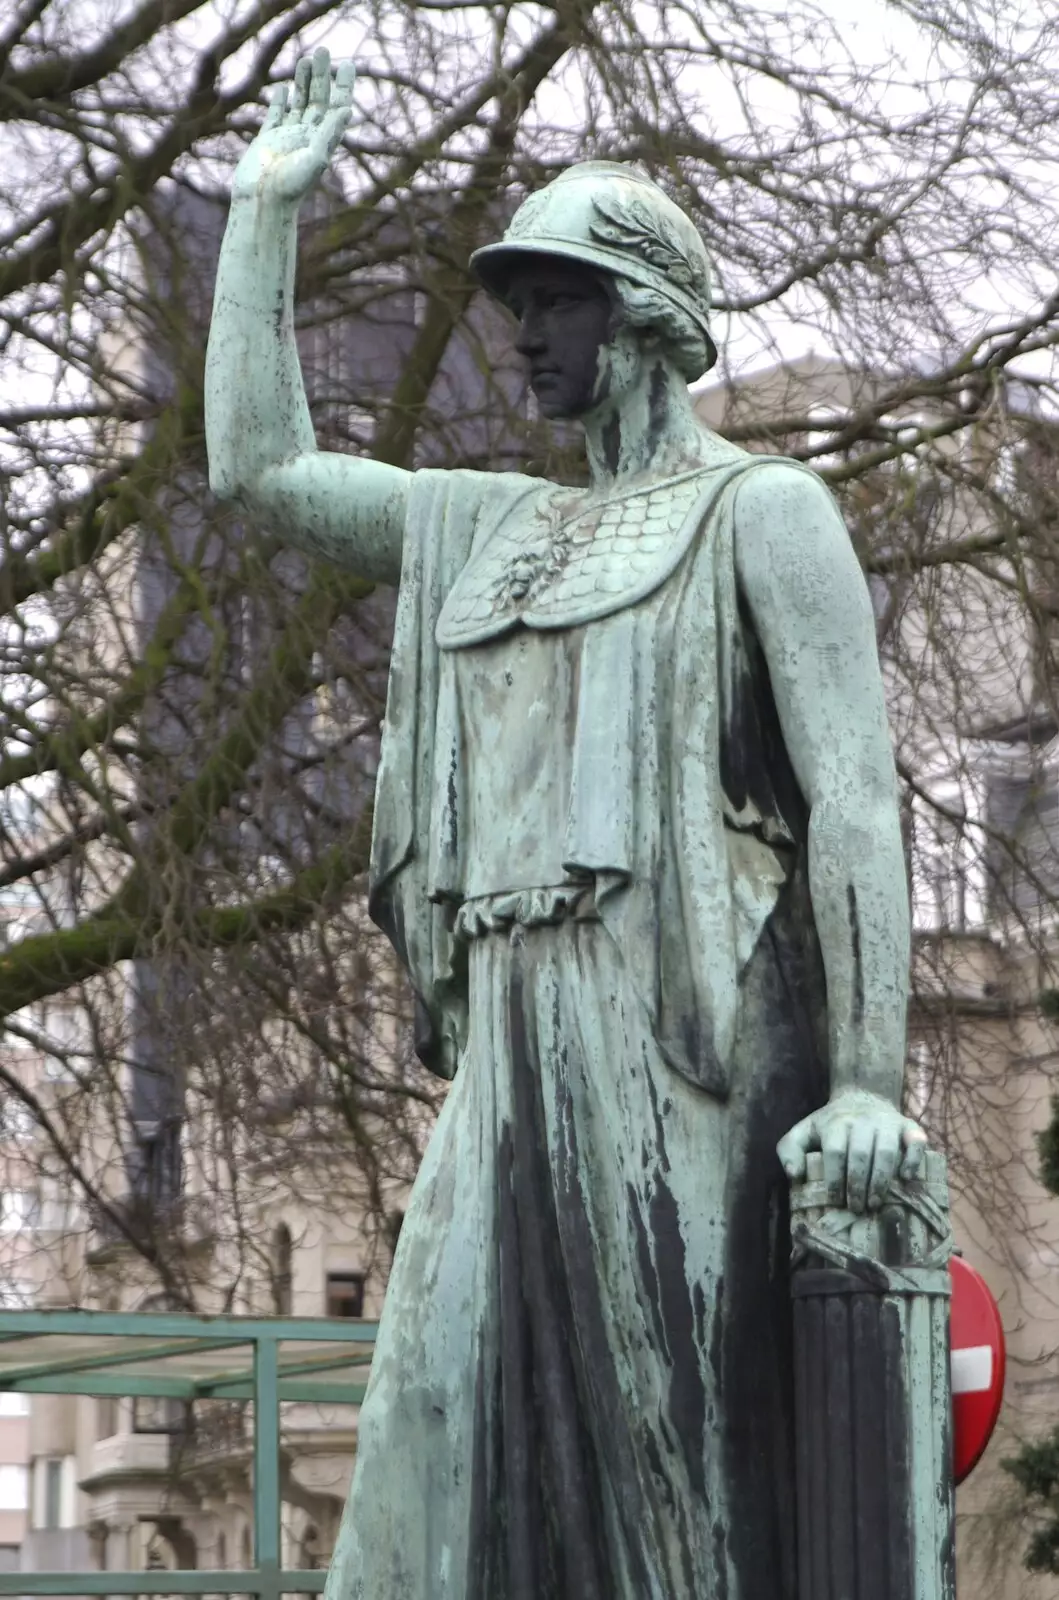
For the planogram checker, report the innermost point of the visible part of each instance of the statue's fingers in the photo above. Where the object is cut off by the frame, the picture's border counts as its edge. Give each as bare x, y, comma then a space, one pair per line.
277, 105
342, 88
860, 1154
319, 87
883, 1168
299, 99
332, 128
835, 1146
915, 1145
793, 1147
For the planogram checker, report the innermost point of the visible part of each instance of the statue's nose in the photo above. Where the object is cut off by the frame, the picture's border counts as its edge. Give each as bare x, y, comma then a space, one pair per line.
530, 337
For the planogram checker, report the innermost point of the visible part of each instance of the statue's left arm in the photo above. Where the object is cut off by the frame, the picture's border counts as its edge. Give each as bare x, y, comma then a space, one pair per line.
813, 616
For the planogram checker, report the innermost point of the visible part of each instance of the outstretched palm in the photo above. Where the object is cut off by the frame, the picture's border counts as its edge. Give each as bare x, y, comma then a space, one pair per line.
300, 135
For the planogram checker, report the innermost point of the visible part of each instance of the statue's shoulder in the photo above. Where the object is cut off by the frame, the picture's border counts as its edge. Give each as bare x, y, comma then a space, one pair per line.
769, 476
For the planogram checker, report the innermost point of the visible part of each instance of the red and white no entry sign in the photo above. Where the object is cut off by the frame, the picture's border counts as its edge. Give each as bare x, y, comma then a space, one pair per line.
977, 1366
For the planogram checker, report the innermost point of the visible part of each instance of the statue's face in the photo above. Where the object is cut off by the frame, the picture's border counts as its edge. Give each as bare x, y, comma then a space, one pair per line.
566, 319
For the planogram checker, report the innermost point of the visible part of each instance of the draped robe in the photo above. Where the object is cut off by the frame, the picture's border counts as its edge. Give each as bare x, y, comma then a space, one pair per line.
582, 1383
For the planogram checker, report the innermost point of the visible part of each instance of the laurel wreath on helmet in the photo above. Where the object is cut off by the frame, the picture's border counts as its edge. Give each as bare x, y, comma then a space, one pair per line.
632, 225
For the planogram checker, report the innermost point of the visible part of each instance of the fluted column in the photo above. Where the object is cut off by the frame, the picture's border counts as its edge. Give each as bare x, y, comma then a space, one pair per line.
873, 1398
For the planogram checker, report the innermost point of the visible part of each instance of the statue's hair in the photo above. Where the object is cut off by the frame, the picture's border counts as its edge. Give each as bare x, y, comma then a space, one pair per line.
684, 343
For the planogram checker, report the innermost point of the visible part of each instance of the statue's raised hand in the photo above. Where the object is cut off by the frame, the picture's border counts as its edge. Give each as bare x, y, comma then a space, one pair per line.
300, 134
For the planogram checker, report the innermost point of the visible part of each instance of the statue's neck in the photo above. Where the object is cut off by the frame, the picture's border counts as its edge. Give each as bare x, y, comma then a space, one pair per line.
652, 430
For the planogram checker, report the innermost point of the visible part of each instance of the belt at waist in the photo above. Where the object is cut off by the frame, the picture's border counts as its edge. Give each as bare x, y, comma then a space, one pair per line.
525, 908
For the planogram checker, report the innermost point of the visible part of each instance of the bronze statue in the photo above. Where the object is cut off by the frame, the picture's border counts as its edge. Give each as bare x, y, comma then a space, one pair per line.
637, 844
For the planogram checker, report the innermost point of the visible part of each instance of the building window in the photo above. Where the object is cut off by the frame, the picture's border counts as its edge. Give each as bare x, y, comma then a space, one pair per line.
67, 1030
310, 1549
394, 1224
13, 1405
53, 1494
345, 1294
919, 1078
282, 1270
14, 1488
948, 870
16, 1120
19, 1208
160, 1414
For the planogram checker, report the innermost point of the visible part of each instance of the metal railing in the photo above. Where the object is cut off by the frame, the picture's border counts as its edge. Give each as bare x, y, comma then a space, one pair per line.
165, 1348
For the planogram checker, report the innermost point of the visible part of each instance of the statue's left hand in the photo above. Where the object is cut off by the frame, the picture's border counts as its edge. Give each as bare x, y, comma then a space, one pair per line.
866, 1143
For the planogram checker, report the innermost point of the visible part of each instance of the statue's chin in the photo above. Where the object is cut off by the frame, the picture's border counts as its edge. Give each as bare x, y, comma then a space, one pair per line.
556, 406
555, 410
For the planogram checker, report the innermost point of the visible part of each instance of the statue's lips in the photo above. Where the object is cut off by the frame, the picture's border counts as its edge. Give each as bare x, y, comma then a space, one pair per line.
543, 374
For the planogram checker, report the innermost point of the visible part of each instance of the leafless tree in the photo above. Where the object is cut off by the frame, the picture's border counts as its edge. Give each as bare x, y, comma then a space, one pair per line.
190, 716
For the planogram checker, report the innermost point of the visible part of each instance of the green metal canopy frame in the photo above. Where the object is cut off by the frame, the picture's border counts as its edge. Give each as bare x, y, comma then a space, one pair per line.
180, 1357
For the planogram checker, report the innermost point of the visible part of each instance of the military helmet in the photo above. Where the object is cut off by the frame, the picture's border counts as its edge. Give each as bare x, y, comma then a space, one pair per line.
611, 217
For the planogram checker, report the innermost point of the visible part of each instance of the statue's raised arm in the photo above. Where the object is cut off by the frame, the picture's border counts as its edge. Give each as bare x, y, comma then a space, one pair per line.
259, 434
